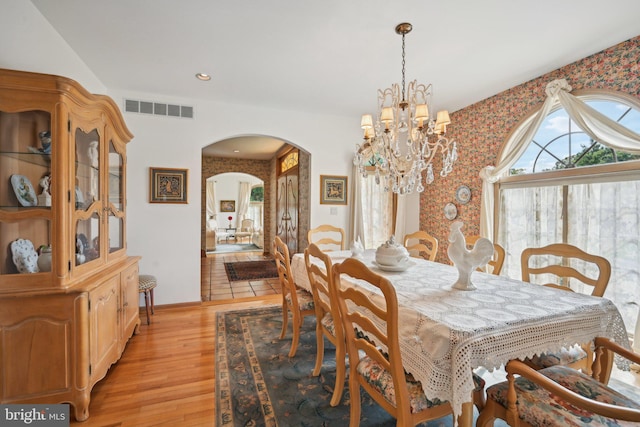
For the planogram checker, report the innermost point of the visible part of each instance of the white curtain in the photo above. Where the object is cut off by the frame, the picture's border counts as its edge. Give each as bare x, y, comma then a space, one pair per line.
593, 123
243, 200
357, 229
604, 218
401, 218
529, 219
255, 213
374, 211
211, 199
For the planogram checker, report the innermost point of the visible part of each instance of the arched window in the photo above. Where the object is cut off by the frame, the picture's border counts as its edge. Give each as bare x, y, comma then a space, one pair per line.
289, 161
561, 144
568, 187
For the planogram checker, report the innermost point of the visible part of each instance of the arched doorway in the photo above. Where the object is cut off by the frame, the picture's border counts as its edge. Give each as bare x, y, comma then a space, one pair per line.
263, 165
234, 200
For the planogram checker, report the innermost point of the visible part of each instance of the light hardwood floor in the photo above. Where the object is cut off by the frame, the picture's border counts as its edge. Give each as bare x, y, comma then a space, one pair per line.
166, 376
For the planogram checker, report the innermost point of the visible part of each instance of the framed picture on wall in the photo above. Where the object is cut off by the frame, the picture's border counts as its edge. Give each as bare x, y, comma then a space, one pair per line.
168, 185
333, 190
227, 205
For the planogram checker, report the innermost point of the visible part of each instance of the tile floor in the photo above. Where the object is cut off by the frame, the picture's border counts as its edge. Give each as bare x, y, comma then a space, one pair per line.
215, 285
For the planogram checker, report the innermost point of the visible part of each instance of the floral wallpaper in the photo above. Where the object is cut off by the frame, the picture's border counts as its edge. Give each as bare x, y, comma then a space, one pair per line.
481, 129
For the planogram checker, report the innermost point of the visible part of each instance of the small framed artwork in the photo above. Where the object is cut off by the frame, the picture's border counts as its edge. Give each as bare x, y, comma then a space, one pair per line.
227, 205
168, 185
333, 190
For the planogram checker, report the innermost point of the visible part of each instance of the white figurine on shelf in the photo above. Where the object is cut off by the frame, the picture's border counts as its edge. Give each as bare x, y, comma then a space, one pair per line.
44, 198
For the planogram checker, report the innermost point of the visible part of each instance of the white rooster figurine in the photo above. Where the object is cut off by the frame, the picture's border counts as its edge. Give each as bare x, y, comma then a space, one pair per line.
466, 260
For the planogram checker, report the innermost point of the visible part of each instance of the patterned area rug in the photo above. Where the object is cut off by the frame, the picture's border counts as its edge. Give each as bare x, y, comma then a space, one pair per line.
257, 384
251, 270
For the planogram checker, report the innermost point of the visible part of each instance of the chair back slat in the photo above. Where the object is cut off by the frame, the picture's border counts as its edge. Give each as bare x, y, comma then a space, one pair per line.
319, 279
327, 237
283, 264
419, 249
544, 261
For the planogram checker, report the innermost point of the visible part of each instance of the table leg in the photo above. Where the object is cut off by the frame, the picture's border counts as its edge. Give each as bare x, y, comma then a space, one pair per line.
465, 419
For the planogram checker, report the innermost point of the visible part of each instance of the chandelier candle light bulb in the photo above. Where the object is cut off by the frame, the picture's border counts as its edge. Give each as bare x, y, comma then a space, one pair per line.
403, 140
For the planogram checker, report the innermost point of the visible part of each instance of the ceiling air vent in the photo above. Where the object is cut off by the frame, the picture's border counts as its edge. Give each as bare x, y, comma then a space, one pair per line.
158, 108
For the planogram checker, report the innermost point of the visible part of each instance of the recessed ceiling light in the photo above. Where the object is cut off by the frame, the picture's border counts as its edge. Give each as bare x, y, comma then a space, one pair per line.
204, 77
236, 151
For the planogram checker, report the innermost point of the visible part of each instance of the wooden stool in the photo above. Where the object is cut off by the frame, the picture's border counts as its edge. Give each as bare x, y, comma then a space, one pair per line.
146, 283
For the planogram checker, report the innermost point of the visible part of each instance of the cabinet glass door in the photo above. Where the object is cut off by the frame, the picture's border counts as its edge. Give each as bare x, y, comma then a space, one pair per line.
116, 199
86, 196
25, 199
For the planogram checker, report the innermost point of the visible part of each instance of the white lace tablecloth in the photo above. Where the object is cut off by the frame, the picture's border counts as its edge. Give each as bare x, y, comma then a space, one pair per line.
445, 333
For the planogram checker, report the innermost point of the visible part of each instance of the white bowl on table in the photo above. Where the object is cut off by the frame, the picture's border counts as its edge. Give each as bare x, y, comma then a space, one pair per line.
391, 256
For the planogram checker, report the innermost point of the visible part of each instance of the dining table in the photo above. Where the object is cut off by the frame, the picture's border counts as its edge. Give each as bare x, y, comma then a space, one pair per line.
446, 333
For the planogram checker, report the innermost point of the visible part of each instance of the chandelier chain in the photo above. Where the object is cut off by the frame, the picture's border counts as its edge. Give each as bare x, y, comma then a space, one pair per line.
403, 63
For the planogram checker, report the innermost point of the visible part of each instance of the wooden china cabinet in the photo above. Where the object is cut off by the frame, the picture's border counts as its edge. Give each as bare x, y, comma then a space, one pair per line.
67, 314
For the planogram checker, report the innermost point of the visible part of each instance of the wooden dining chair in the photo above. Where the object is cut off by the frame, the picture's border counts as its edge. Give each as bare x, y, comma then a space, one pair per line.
328, 322
414, 244
559, 261
544, 260
380, 374
326, 237
294, 299
496, 262
561, 396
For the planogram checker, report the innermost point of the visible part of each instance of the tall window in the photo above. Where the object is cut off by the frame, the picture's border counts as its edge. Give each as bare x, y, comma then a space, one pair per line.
568, 188
256, 201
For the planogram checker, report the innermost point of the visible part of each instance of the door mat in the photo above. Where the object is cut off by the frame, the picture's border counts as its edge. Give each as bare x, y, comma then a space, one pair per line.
251, 270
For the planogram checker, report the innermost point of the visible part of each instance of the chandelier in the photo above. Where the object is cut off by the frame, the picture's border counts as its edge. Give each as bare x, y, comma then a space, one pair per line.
405, 139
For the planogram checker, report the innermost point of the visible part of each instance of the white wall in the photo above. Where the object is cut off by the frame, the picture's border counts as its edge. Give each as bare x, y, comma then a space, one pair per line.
167, 236
29, 43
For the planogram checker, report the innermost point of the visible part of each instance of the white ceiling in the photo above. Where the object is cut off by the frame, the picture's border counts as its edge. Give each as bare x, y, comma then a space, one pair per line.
331, 56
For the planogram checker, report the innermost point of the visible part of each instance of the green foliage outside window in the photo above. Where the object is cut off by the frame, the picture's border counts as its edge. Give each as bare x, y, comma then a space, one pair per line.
596, 154
257, 194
